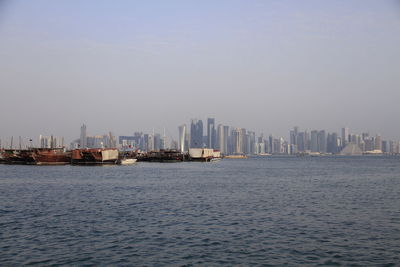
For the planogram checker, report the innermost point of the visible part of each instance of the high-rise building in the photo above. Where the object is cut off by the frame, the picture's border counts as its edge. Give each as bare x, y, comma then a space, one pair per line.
150, 142
238, 140
220, 138
322, 141
333, 143
271, 144
293, 135
252, 143
314, 141
378, 142
301, 142
158, 144
385, 146
224, 147
196, 134
345, 136
83, 139
369, 144
181, 140
211, 133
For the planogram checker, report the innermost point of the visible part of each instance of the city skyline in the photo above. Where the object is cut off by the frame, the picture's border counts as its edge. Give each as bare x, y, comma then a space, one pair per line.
227, 139
173, 132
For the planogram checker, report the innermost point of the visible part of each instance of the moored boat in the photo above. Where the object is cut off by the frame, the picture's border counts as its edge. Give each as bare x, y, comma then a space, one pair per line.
94, 156
127, 161
1, 156
51, 156
162, 155
236, 157
204, 154
18, 156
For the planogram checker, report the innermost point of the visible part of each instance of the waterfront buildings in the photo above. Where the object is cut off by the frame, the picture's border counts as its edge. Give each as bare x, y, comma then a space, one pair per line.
196, 134
345, 136
182, 138
211, 133
237, 140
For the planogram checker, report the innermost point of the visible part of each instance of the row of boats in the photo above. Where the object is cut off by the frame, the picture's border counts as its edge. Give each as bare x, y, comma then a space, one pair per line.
99, 156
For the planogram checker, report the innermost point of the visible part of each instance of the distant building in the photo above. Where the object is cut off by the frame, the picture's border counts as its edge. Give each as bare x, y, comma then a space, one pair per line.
196, 134
378, 142
182, 137
238, 140
333, 143
314, 141
222, 139
211, 133
322, 141
251, 143
51, 142
127, 141
345, 136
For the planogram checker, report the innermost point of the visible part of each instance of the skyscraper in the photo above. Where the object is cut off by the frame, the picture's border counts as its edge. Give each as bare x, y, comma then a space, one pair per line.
345, 136
314, 141
220, 137
322, 141
238, 140
252, 142
224, 146
196, 134
378, 142
83, 140
211, 134
182, 135
293, 135
301, 146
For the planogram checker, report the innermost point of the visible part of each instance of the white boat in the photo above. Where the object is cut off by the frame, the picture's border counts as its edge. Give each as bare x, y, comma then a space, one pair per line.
128, 161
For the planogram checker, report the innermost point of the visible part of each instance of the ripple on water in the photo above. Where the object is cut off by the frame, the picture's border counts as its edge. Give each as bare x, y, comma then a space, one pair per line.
262, 211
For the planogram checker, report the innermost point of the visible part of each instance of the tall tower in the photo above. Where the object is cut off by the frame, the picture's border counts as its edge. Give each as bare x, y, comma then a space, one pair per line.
196, 134
378, 142
211, 133
345, 136
238, 140
182, 135
222, 139
314, 141
83, 140
322, 141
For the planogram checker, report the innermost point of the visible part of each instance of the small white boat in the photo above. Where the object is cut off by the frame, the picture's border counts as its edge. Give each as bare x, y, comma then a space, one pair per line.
128, 161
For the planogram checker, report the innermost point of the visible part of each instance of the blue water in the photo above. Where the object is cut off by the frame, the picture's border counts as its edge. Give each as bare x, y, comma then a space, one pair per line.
259, 211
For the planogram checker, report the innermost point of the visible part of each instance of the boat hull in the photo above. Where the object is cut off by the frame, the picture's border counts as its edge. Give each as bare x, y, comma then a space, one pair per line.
128, 161
106, 156
52, 157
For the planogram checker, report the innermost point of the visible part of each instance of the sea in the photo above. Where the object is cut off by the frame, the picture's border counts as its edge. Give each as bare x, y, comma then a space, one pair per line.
260, 211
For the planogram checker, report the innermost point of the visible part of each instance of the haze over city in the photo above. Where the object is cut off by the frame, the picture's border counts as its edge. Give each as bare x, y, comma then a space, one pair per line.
131, 66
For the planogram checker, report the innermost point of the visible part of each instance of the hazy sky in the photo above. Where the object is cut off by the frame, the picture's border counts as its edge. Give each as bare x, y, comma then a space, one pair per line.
137, 65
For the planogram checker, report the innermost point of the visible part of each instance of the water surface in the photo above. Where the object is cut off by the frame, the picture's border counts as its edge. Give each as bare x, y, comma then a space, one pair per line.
259, 211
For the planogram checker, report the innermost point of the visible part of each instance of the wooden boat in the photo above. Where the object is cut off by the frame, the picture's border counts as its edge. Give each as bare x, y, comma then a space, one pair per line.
127, 161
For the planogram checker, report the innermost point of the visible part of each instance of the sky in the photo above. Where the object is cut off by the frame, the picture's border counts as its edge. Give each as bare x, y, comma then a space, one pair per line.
126, 66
